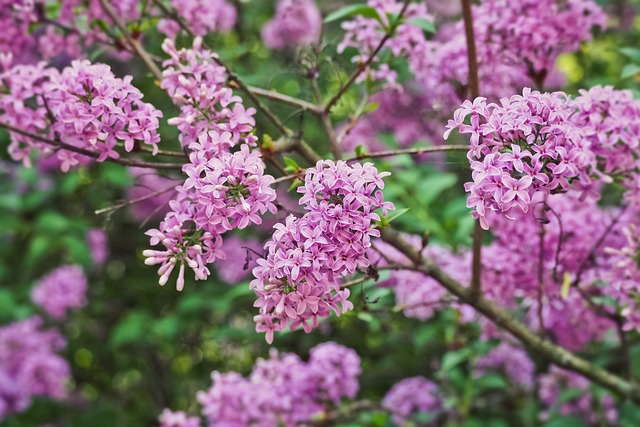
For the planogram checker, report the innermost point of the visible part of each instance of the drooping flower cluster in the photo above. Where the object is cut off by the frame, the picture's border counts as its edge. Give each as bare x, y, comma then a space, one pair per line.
283, 390
201, 16
223, 190
299, 280
209, 112
522, 150
62, 289
296, 22
30, 365
413, 396
85, 106
590, 407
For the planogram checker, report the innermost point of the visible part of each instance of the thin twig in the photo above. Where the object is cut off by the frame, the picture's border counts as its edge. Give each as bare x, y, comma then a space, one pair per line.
364, 65
285, 99
134, 201
416, 151
138, 49
92, 154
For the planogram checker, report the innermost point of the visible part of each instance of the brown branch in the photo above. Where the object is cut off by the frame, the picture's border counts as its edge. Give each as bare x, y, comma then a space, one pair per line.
412, 151
137, 48
285, 99
474, 89
364, 65
503, 319
88, 153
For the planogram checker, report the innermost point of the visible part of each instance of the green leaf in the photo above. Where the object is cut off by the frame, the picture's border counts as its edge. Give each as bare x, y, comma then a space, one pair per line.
291, 166
398, 214
353, 10
429, 189
131, 329
629, 70
454, 358
566, 285
423, 23
491, 381
361, 151
570, 421
631, 53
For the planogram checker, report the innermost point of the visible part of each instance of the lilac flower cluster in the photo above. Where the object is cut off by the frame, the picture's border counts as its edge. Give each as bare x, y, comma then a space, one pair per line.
98, 243
201, 16
522, 150
512, 360
365, 34
299, 280
85, 105
209, 112
282, 390
623, 275
169, 418
223, 190
62, 289
296, 22
413, 396
30, 365
591, 408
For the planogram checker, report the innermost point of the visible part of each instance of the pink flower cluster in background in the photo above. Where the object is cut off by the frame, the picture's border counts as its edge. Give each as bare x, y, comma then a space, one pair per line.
299, 280
62, 289
296, 22
282, 390
30, 365
412, 396
201, 16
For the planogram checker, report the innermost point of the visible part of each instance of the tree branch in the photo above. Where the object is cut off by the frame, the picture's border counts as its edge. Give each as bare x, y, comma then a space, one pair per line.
364, 65
505, 320
412, 151
88, 153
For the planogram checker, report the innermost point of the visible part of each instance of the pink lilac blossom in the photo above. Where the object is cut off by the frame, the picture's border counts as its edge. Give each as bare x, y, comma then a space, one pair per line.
296, 22
522, 150
169, 418
209, 112
299, 280
98, 243
30, 365
201, 16
60, 290
587, 406
85, 105
241, 255
413, 396
223, 190
283, 390
510, 359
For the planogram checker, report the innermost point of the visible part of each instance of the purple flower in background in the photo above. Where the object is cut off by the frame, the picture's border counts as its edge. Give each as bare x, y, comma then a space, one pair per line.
169, 418
201, 16
30, 365
510, 359
295, 23
410, 397
60, 290
241, 255
98, 242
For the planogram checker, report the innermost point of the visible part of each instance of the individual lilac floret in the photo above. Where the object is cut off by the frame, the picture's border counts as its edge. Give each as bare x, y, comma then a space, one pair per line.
209, 112
30, 365
85, 105
283, 390
296, 22
591, 408
512, 360
522, 150
410, 397
299, 280
168, 418
60, 290
98, 245
201, 16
